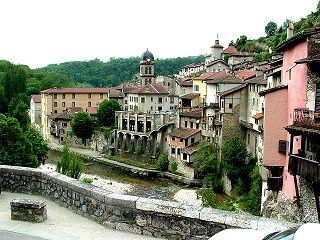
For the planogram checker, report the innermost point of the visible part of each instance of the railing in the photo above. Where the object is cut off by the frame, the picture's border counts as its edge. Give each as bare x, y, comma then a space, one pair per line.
306, 117
275, 183
306, 168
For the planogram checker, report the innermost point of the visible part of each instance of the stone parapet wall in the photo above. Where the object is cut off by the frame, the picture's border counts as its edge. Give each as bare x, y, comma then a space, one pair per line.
158, 218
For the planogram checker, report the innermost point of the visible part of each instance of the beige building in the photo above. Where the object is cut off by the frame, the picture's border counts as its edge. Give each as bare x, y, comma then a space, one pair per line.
56, 100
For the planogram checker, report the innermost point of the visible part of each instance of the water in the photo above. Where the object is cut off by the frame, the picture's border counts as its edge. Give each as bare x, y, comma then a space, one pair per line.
124, 182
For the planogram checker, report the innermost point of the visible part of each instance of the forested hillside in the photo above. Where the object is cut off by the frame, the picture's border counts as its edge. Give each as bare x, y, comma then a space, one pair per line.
116, 70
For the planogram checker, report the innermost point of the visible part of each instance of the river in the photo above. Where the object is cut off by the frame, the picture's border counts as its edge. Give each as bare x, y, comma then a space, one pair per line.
120, 181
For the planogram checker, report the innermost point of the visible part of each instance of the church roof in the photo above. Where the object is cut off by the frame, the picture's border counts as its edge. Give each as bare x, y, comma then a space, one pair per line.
147, 55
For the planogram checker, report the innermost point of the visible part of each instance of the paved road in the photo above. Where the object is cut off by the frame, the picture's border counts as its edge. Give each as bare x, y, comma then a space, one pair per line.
62, 224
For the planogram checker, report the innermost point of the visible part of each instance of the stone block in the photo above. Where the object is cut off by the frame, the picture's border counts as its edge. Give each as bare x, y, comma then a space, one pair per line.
213, 215
241, 220
28, 210
116, 199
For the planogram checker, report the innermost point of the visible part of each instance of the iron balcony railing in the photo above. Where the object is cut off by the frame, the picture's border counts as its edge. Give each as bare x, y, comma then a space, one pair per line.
303, 167
306, 117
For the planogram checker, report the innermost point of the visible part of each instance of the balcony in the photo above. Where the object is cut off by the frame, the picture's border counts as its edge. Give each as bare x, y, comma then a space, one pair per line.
306, 168
275, 183
303, 117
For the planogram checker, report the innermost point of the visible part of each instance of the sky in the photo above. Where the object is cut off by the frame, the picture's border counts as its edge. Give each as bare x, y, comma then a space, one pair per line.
41, 32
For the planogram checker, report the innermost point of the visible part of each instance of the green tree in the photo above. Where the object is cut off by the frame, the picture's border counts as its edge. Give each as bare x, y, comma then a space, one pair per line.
69, 164
162, 163
237, 163
271, 28
106, 112
19, 109
16, 146
39, 145
82, 126
207, 163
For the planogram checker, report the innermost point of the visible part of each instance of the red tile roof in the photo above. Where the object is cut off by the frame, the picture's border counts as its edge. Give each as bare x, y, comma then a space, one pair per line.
92, 110
194, 114
216, 61
156, 88
246, 74
223, 77
184, 132
76, 90
186, 82
36, 98
191, 149
190, 96
258, 116
230, 50
232, 90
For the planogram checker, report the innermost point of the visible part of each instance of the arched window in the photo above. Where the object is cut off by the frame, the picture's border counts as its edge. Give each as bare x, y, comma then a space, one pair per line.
146, 70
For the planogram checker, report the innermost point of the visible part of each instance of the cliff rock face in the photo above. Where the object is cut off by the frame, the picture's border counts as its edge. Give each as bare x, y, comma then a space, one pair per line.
279, 207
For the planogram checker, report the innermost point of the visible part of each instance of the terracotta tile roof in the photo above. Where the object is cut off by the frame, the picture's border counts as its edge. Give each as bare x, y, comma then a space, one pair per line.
223, 77
185, 82
258, 80
258, 116
191, 149
156, 88
92, 110
184, 132
230, 50
190, 96
204, 76
194, 114
233, 90
217, 61
68, 114
36, 98
114, 93
76, 90
246, 74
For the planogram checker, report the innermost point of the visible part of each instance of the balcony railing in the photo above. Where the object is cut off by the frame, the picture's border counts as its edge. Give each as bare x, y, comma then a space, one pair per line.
307, 118
306, 168
275, 183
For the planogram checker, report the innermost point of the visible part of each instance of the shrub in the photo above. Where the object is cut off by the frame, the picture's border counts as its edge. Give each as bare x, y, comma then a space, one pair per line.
208, 197
87, 180
174, 167
162, 162
69, 165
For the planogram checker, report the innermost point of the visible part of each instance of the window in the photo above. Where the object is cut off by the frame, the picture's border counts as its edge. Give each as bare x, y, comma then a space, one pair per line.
55, 96
185, 124
282, 146
171, 99
63, 104
55, 111
191, 124
126, 101
89, 96
142, 100
160, 99
151, 99
181, 139
256, 121
173, 151
73, 96
55, 104
197, 125
63, 96
151, 108
173, 138
101, 95
159, 108
73, 104
178, 151
230, 105
253, 101
89, 104
248, 140
192, 140
184, 156
289, 74
196, 88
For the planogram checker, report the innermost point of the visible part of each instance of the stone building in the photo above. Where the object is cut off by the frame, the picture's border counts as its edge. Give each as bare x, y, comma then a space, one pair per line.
184, 86
147, 75
35, 110
217, 66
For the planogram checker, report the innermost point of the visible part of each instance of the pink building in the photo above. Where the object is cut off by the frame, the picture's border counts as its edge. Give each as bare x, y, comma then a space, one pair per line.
292, 130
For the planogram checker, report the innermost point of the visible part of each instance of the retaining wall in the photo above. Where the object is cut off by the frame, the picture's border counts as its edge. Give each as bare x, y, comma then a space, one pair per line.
158, 218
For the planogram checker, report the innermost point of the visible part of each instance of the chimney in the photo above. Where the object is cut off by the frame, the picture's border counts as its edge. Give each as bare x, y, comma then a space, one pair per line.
290, 30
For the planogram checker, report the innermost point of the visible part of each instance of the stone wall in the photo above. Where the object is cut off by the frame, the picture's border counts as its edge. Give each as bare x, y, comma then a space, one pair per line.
96, 143
158, 218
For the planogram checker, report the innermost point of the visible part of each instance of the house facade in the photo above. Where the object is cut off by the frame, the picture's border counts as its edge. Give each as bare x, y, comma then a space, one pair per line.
35, 110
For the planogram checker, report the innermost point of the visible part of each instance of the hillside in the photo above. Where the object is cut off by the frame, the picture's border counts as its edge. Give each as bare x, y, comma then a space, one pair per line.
116, 70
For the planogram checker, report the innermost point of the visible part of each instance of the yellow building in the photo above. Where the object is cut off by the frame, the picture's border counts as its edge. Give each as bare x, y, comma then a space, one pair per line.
56, 100
200, 86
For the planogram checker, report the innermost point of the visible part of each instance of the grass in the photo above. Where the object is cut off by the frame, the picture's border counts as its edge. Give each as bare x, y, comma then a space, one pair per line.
133, 162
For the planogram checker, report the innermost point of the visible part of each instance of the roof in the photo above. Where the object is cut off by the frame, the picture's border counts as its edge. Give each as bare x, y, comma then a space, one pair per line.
217, 61
258, 116
193, 65
246, 74
190, 96
194, 114
92, 110
274, 89
258, 80
155, 88
232, 90
185, 82
67, 114
301, 36
147, 55
191, 149
114, 93
310, 59
223, 77
36, 98
76, 90
230, 50
184, 132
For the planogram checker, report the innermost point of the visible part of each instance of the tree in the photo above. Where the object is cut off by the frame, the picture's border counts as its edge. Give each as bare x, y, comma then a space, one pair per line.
207, 163
17, 147
39, 146
237, 163
271, 28
106, 112
82, 126
18, 108
69, 164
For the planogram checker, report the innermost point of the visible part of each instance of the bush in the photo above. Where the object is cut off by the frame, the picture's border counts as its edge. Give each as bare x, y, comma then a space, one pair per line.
69, 165
213, 182
162, 162
87, 180
208, 197
174, 167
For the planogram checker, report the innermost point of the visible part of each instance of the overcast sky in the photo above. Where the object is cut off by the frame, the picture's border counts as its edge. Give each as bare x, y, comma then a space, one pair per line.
41, 32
